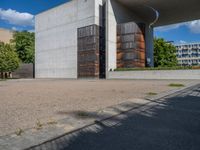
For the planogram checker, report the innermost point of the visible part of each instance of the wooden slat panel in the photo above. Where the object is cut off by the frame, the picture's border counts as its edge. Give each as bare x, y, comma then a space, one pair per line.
130, 45
88, 51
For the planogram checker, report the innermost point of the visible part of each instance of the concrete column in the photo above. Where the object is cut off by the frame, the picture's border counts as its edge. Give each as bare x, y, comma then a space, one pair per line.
149, 46
111, 38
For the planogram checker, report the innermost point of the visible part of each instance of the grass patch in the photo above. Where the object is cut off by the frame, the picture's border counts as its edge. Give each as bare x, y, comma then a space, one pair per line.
19, 132
158, 68
51, 122
38, 125
152, 93
82, 114
176, 85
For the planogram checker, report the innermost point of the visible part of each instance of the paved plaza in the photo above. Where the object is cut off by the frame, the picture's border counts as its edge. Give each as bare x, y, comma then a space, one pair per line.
24, 102
169, 123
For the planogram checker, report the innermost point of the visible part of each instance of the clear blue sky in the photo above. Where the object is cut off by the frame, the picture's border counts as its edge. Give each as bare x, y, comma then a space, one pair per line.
180, 33
19, 15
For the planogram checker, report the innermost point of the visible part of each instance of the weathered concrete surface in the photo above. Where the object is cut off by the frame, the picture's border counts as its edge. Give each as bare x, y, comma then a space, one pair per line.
56, 38
155, 74
171, 11
56, 35
56, 30
24, 71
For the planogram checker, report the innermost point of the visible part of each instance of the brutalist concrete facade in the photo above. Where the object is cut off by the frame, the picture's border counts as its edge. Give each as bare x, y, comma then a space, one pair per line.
66, 46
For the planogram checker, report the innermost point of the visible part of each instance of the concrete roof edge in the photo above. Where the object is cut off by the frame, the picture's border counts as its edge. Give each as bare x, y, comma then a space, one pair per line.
53, 8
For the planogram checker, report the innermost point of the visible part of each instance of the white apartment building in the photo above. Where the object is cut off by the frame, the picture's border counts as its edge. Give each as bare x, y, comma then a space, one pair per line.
188, 54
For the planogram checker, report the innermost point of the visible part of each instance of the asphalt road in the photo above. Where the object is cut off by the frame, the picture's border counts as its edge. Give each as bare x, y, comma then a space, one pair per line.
170, 123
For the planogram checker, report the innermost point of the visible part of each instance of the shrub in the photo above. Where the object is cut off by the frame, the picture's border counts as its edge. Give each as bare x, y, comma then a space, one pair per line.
9, 60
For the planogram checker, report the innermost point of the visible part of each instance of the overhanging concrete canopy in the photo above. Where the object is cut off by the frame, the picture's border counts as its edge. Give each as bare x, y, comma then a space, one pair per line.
171, 11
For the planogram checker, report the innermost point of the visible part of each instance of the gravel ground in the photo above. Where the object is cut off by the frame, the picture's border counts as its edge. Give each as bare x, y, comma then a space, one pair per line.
23, 102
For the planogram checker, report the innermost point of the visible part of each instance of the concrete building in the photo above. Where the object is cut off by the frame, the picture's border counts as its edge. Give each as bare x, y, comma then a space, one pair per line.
89, 38
188, 54
5, 35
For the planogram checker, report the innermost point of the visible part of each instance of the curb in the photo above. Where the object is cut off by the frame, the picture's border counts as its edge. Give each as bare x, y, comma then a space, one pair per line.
171, 92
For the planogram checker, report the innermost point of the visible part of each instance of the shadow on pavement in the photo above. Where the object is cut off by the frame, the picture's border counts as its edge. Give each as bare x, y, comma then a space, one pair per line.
171, 123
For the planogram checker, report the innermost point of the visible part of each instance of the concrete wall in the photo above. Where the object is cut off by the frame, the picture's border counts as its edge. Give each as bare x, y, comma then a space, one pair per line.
5, 35
111, 38
56, 38
155, 74
56, 35
24, 71
117, 14
96, 10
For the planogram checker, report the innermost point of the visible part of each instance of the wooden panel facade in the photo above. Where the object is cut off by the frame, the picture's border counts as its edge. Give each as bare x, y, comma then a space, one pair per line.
88, 51
130, 45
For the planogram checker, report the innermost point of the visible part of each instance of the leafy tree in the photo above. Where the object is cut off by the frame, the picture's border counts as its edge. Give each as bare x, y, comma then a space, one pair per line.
164, 53
24, 43
9, 60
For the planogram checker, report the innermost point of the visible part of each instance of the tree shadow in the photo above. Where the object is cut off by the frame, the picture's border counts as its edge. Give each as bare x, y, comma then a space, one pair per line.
81, 114
172, 123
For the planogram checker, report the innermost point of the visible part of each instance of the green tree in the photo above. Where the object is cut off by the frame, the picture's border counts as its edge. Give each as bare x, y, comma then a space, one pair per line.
164, 53
9, 60
24, 43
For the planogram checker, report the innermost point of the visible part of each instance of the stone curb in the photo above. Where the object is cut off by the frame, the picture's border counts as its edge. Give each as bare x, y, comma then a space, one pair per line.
34, 137
171, 92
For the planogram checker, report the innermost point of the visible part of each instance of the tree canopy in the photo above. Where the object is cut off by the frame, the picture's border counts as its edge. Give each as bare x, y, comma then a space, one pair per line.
9, 60
24, 43
164, 53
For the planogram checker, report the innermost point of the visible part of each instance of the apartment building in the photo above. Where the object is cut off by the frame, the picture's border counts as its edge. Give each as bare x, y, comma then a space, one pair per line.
188, 54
